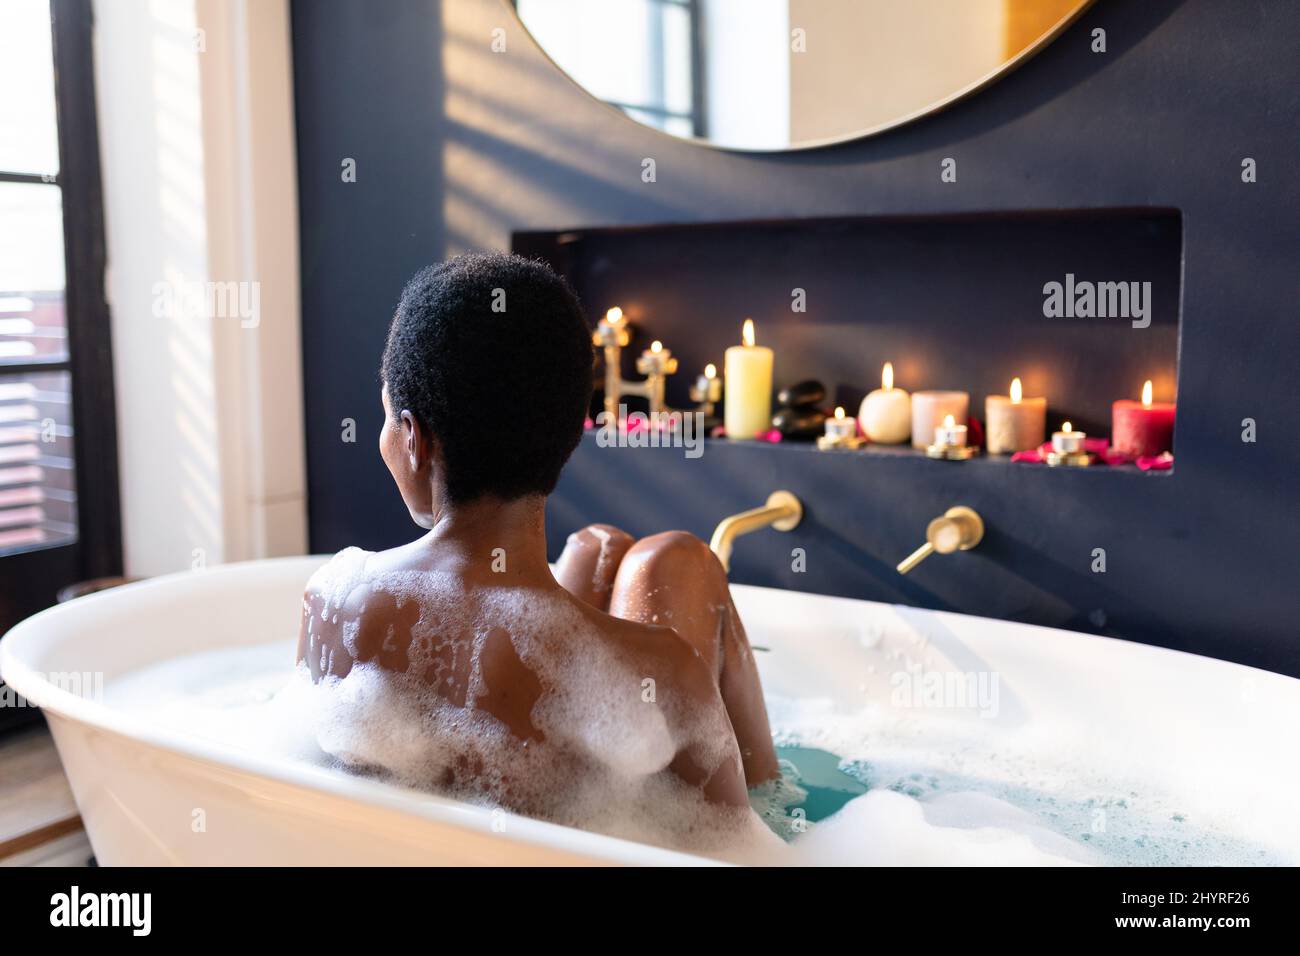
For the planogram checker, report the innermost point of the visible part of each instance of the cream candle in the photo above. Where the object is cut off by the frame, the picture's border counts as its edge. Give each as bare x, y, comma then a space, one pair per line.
747, 369
886, 413
1145, 429
1014, 423
929, 410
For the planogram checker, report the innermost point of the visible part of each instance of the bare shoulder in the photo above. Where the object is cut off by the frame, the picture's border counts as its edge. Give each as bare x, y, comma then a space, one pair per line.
352, 612
671, 670
343, 564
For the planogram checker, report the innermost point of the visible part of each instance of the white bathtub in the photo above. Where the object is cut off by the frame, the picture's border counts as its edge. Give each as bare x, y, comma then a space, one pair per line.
1220, 737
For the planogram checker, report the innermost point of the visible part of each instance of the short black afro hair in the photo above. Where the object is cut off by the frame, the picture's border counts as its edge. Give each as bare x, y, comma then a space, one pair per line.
492, 355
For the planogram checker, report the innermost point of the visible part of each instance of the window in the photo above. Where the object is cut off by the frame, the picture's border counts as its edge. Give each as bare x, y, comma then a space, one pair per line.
653, 73
58, 465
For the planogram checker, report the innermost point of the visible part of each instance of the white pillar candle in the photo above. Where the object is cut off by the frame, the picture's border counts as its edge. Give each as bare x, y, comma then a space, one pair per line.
1067, 441
929, 409
747, 369
949, 434
1014, 423
886, 413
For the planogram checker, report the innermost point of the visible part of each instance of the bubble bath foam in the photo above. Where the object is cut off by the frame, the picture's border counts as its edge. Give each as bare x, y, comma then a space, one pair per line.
857, 788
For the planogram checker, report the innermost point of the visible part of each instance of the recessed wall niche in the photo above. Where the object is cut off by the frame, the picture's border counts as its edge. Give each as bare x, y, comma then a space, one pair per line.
960, 301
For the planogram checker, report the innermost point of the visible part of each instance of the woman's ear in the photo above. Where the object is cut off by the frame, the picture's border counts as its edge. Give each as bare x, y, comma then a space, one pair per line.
414, 442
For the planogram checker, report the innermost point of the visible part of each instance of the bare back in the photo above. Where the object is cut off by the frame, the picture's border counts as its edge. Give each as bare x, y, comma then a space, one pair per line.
515, 693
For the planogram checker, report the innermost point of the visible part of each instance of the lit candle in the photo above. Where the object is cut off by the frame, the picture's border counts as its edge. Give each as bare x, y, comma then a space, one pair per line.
929, 410
1014, 423
840, 427
612, 330
1141, 429
1067, 441
748, 370
886, 413
656, 360
708, 387
950, 434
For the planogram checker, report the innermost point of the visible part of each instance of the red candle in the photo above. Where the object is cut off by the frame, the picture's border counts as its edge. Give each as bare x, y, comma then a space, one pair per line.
1142, 428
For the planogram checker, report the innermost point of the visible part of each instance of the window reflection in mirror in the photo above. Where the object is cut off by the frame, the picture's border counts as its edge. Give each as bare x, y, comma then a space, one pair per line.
778, 74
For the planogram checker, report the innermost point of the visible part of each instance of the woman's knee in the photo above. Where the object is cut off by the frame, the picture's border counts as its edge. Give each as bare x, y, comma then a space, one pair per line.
675, 550
598, 538
590, 562
675, 561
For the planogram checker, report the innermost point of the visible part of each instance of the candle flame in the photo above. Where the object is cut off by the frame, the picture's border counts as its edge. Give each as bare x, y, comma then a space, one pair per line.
656, 346
1146, 393
710, 371
747, 332
1015, 390
614, 315
887, 376
839, 411
1067, 427
948, 421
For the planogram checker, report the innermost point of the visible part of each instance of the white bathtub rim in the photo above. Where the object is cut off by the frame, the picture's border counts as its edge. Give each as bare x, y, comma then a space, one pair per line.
1153, 652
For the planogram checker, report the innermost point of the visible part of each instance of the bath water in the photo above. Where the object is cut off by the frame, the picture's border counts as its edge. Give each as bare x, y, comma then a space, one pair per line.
854, 789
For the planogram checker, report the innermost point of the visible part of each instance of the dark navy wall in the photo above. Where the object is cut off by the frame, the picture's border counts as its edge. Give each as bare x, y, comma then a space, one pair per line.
458, 147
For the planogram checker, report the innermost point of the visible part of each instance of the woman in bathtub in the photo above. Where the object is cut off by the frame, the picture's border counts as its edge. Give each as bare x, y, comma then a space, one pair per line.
595, 695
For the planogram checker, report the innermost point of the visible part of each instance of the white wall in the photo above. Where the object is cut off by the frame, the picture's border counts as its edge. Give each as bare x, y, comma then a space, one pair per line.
197, 151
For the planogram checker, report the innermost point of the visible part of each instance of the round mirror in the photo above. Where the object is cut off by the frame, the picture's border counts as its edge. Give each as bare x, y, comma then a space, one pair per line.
787, 74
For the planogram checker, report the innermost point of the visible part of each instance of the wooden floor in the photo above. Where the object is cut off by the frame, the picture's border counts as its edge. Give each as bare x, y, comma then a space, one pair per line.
39, 824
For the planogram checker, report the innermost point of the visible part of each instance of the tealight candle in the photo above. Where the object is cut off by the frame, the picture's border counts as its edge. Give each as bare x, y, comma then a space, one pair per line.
929, 410
748, 372
1014, 423
708, 385
886, 413
841, 427
1142, 429
1067, 441
950, 434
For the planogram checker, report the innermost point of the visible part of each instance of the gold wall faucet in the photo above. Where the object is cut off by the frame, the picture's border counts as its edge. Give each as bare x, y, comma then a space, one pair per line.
957, 529
783, 512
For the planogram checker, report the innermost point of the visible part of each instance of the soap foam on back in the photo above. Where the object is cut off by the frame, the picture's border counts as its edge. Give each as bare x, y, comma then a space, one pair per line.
602, 762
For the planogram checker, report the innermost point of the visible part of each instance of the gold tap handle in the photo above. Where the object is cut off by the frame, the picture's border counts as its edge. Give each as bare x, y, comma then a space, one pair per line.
958, 529
915, 558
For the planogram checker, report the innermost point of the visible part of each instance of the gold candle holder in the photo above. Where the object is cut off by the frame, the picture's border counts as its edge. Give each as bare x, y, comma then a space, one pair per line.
1079, 459
951, 452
